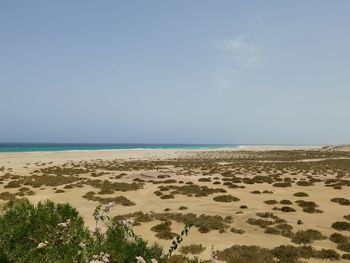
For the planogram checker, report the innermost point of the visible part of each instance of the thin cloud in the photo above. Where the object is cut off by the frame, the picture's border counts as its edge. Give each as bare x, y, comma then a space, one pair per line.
240, 55
222, 80
237, 44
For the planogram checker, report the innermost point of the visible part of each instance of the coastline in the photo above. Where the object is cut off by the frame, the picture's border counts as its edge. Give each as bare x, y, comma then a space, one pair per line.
57, 147
59, 157
252, 147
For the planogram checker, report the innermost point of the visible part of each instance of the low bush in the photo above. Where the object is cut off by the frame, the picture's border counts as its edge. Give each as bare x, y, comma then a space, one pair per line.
260, 222
338, 238
344, 247
193, 249
246, 254
193, 190
267, 192
301, 194
7, 196
272, 230
341, 201
308, 206
121, 200
281, 254
307, 236
163, 230
170, 196
304, 183
288, 253
225, 198
266, 215
204, 223
13, 184
270, 202
287, 209
282, 184
329, 254
237, 231
255, 192
286, 202
208, 179
341, 226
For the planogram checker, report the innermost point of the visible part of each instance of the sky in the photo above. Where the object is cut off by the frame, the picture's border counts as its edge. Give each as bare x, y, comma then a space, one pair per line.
161, 71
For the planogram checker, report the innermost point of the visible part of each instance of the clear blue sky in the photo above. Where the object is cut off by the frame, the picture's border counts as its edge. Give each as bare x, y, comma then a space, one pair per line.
175, 71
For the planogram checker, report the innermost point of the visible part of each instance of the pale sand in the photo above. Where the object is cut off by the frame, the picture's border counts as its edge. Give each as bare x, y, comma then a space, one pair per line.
23, 163
343, 148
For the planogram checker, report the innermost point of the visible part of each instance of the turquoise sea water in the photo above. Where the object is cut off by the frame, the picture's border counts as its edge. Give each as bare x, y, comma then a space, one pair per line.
48, 147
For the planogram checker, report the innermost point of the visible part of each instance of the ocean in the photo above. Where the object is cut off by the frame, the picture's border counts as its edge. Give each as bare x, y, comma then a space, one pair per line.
48, 147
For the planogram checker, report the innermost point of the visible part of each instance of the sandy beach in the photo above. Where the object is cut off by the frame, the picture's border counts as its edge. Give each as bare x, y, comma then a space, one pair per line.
174, 183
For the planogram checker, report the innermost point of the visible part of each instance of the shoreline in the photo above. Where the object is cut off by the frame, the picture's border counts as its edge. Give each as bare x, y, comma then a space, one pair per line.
250, 147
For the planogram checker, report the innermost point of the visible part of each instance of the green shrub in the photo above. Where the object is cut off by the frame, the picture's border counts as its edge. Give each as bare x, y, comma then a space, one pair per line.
341, 201
341, 226
177, 259
304, 183
123, 249
329, 254
267, 192
282, 184
163, 230
204, 223
344, 247
272, 230
193, 190
205, 179
225, 198
266, 215
301, 194
287, 209
338, 238
121, 200
270, 202
237, 231
7, 196
255, 192
308, 206
23, 226
13, 184
291, 254
170, 196
284, 226
246, 254
49, 232
307, 236
286, 202
260, 222
193, 249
